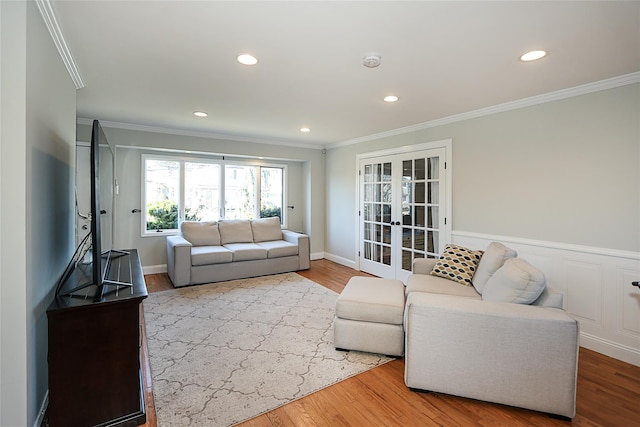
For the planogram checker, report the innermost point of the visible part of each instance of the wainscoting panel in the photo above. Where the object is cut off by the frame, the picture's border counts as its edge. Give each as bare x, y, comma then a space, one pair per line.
629, 300
584, 284
595, 283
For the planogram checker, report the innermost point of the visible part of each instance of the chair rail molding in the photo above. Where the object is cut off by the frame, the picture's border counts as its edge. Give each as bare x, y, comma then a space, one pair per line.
595, 283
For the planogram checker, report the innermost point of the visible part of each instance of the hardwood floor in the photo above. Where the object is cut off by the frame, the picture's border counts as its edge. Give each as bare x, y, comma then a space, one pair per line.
608, 391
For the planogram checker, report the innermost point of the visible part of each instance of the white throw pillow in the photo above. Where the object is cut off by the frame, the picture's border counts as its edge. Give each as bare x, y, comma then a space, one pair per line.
492, 259
201, 233
266, 229
516, 281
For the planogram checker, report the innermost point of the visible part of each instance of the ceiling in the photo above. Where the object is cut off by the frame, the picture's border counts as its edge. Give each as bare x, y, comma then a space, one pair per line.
152, 63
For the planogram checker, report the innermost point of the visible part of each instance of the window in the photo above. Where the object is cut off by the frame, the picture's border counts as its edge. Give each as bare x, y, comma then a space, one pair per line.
176, 190
162, 189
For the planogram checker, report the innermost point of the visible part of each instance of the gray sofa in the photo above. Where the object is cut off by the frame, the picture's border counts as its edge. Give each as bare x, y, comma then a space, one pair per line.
213, 251
498, 335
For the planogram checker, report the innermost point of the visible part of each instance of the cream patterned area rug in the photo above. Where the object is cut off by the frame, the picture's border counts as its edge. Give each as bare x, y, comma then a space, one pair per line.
226, 352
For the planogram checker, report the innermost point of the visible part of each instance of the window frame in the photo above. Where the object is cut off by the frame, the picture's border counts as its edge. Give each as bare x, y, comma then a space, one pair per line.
182, 159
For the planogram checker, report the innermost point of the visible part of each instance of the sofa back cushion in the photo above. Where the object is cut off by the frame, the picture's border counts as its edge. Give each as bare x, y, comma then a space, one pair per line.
266, 229
492, 259
201, 233
516, 281
458, 264
235, 231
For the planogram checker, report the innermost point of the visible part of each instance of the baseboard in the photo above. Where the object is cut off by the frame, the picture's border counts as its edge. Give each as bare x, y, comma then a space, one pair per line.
340, 260
43, 410
154, 269
316, 255
611, 349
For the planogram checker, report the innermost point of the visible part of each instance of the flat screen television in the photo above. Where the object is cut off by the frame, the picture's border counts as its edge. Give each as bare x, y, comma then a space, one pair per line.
95, 252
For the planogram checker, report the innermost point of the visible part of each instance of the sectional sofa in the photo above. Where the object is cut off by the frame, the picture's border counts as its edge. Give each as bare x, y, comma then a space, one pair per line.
499, 334
215, 251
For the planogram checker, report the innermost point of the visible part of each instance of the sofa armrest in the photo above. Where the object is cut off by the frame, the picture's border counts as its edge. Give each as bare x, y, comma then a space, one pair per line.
512, 354
179, 260
423, 265
302, 240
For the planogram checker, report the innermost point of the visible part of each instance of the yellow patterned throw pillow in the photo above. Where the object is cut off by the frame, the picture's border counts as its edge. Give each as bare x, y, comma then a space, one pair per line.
458, 264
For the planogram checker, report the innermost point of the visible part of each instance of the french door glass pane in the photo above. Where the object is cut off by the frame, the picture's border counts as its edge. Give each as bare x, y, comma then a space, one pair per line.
386, 193
432, 217
433, 194
419, 169
162, 193
419, 216
386, 234
407, 260
240, 192
418, 242
386, 172
419, 193
407, 170
432, 241
201, 191
407, 241
386, 255
433, 168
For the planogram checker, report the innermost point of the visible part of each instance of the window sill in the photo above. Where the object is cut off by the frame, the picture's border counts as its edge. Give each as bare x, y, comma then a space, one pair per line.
158, 233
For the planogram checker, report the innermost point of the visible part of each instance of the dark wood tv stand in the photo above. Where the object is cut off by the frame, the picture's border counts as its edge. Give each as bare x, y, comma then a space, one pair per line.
94, 351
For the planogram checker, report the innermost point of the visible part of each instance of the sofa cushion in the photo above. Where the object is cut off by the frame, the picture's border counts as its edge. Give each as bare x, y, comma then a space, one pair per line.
458, 264
279, 248
492, 259
439, 285
371, 299
205, 255
201, 233
246, 251
235, 231
516, 281
266, 229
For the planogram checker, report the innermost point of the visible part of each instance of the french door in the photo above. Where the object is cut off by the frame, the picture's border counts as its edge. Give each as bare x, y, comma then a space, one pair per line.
402, 211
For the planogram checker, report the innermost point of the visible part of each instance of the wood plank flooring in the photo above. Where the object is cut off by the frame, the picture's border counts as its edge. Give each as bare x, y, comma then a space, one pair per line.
608, 390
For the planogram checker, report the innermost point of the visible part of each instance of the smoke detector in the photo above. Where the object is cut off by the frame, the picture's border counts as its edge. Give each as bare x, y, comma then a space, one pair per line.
371, 60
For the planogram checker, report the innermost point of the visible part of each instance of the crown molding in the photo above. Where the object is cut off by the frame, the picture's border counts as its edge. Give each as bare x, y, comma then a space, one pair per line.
48, 15
611, 83
198, 134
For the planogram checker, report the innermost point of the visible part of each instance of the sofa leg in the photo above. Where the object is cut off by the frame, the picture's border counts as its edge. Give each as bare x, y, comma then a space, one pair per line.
419, 390
559, 417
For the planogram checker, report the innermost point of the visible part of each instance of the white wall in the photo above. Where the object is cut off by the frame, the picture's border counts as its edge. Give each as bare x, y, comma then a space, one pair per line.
38, 139
13, 307
304, 187
565, 173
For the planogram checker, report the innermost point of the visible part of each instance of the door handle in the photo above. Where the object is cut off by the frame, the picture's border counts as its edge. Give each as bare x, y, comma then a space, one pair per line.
636, 284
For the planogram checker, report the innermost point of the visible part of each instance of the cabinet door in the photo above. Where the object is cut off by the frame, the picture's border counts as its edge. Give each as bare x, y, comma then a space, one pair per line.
94, 365
402, 211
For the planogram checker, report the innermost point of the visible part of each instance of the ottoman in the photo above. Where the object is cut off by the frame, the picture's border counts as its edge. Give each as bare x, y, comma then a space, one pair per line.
369, 316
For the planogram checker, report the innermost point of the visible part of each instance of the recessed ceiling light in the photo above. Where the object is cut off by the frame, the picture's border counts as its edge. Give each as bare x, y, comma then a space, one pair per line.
533, 55
200, 114
390, 98
247, 59
305, 130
